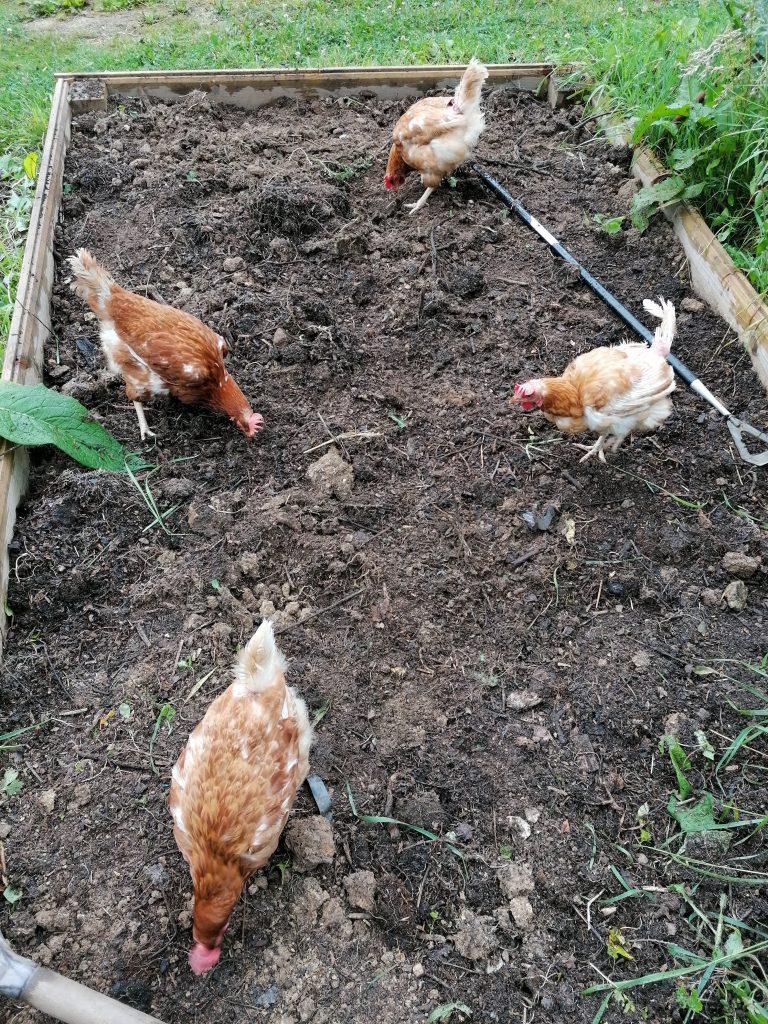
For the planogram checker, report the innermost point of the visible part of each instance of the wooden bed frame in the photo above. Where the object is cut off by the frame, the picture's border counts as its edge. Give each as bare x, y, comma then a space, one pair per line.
713, 274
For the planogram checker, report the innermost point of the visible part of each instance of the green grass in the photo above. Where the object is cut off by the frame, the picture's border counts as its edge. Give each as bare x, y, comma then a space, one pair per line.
707, 850
637, 52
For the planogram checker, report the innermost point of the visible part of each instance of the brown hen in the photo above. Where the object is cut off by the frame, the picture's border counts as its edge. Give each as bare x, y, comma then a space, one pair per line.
159, 350
233, 787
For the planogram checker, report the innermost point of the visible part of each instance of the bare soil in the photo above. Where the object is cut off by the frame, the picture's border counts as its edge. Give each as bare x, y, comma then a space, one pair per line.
498, 636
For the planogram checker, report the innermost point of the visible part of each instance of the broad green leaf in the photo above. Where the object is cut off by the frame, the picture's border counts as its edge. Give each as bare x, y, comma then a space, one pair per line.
681, 159
12, 895
30, 165
35, 415
698, 818
610, 225
12, 784
734, 943
660, 114
651, 198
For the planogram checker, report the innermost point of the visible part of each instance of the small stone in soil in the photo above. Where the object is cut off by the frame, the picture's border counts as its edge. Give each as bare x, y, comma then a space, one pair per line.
740, 565
360, 888
310, 840
332, 475
735, 595
515, 879
476, 939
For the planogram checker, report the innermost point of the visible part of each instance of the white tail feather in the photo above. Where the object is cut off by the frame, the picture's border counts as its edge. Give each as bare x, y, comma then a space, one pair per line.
665, 311
470, 87
261, 662
92, 282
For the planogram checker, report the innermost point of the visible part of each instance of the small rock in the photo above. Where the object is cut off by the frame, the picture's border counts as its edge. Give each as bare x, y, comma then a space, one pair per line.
5, 829
47, 799
476, 940
53, 920
360, 888
522, 700
179, 488
280, 337
233, 263
422, 808
710, 598
676, 724
307, 1008
310, 840
691, 305
332, 475
266, 998
522, 912
740, 565
335, 919
735, 595
418, 970
310, 897
515, 879
157, 875
641, 660
250, 564
521, 826
60, 372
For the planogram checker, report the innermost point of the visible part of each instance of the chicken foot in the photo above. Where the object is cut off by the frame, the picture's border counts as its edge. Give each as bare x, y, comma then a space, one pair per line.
143, 425
415, 207
595, 449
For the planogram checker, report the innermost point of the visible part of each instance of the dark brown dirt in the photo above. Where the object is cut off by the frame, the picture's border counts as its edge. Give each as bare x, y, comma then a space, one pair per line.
445, 597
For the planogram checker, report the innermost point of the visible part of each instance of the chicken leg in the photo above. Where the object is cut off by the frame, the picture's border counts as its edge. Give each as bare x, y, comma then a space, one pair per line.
415, 207
595, 449
143, 425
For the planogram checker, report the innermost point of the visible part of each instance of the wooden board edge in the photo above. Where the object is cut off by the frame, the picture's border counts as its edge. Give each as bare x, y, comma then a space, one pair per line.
371, 72
30, 325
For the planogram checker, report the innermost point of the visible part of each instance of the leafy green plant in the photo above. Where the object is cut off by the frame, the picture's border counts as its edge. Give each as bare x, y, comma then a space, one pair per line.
47, 8
35, 415
610, 225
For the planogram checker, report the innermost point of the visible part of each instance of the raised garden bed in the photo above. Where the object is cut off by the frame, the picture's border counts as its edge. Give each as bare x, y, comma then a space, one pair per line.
508, 633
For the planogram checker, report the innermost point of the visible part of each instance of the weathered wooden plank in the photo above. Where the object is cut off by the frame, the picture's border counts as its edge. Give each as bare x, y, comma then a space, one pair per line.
251, 89
714, 276
31, 324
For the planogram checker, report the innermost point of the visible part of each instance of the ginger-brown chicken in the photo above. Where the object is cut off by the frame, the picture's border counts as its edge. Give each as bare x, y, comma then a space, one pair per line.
159, 350
233, 787
610, 391
437, 134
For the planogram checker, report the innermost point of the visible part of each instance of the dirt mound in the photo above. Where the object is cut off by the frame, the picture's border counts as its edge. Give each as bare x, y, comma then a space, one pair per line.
297, 205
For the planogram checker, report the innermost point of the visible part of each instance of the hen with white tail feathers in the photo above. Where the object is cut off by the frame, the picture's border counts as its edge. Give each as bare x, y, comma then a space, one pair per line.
612, 392
437, 134
234, 784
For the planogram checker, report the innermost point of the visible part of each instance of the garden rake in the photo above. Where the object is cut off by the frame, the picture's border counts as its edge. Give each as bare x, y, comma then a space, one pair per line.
738, 427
